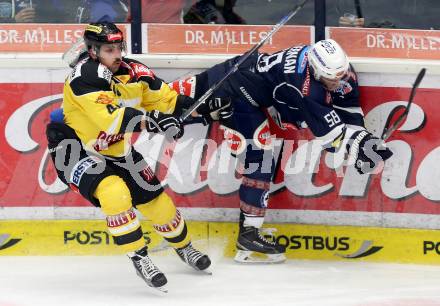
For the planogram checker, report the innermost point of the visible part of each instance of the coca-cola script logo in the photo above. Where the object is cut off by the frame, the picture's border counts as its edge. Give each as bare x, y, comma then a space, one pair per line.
201, 158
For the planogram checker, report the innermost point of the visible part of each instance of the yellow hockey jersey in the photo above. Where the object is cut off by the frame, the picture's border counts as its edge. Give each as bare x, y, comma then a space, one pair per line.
99, 104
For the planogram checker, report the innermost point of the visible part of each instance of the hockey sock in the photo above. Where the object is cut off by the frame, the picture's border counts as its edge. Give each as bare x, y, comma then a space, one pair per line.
249, 219
167, 220
122, 222
253, 201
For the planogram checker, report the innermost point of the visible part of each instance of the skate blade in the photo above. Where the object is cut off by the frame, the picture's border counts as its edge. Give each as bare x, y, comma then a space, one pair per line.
258, 258
158, 291
162, 289
206, 271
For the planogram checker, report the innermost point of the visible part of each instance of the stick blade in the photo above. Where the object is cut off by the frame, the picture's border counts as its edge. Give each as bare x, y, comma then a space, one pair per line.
419, 77
393, 125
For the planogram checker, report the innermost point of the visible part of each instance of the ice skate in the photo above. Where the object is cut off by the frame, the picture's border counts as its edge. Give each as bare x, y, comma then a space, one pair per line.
194, 258
147, 270
252, 247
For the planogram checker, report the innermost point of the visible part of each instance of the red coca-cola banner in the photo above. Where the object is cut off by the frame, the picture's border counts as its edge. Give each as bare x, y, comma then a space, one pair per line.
201, 173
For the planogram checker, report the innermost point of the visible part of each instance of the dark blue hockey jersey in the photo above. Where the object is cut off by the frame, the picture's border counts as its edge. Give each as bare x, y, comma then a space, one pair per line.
298, 97
284, 80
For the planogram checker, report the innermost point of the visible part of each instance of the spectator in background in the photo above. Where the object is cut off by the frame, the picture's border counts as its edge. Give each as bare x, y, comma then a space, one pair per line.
162, 11
382, 24
213, 11
203, 11
102, 11
350, 20
56, 11
81, 11
20, 11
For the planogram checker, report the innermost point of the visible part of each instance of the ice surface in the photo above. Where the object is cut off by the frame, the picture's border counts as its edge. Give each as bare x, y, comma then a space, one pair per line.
111, 280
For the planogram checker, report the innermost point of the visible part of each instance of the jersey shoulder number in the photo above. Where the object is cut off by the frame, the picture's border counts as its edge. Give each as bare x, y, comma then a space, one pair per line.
265, 61
289, 56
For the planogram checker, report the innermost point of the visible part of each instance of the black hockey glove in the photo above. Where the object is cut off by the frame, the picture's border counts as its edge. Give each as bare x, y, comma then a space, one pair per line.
157, 122
368, 150
216, 109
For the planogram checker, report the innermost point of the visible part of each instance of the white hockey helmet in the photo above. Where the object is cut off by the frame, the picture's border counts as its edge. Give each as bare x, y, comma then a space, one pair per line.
327, 59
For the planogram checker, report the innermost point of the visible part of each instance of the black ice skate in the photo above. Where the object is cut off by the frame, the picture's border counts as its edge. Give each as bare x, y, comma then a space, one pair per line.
194, 258
252, 247
146, 269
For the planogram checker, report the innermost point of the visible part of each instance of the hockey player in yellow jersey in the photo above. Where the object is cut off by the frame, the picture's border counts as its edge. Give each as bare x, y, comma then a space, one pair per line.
106, 98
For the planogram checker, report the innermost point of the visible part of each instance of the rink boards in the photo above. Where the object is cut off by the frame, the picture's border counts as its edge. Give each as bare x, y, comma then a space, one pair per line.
316, 242
393, 216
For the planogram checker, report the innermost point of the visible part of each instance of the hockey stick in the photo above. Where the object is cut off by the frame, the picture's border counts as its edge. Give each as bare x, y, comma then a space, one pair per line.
388, 131
205, 96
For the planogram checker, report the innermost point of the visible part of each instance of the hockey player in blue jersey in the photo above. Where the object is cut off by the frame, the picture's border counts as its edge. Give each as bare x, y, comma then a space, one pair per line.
309, 86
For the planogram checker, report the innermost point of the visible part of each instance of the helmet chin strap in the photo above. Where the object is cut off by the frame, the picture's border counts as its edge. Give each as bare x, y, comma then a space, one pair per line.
93, 52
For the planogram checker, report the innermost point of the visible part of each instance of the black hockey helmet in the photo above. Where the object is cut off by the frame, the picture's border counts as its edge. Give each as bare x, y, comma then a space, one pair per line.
102, 33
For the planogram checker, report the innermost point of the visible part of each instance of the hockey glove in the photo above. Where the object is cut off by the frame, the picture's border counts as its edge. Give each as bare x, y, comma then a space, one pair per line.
368, 150
157, 122
139, 71
216, 109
